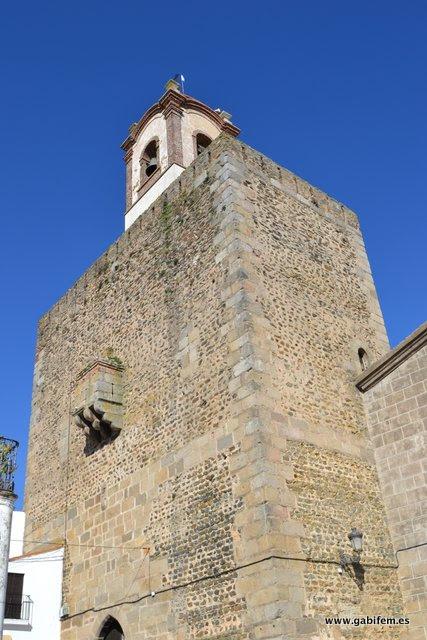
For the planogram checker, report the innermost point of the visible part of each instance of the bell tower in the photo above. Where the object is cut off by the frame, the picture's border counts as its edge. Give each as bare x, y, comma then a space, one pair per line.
168, 137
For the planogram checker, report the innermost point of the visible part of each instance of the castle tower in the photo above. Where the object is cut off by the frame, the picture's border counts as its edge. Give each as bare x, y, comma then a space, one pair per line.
196, 432
168, 137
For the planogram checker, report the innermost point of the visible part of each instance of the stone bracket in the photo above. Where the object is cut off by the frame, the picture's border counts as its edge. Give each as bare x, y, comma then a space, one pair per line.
99, 403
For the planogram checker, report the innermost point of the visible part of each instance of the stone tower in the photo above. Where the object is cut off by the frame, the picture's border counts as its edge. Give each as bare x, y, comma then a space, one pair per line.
197, 437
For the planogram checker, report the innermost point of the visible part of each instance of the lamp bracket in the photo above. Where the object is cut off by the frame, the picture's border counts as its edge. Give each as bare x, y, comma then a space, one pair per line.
346, 559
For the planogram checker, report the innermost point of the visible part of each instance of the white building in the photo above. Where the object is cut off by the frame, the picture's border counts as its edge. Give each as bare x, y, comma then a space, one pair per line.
33, 598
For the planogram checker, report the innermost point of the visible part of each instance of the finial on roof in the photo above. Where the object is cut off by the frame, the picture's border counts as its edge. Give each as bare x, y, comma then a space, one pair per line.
176, 83
172, 85
223, 114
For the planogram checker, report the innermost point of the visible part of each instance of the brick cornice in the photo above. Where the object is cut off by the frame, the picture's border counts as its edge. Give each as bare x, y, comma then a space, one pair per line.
129, 154
172, 102
224, 125
176, 102
397, 356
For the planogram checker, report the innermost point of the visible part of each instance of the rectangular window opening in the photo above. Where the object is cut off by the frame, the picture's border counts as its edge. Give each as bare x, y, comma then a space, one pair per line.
15, 584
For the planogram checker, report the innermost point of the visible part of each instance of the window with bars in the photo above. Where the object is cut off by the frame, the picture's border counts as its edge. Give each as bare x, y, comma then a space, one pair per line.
15, 584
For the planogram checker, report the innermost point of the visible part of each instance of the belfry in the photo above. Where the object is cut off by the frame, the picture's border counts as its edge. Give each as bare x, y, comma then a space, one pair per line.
166, 140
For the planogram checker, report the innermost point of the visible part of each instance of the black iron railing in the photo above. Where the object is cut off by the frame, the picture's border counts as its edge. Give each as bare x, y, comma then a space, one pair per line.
8, 451
18, 608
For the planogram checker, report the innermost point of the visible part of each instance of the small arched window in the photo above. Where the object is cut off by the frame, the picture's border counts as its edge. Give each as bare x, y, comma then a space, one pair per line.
149, 160
363, 359
202, 141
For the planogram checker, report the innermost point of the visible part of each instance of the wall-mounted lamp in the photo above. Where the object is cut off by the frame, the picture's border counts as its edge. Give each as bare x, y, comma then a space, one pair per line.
64, 611
356, 539
351, 564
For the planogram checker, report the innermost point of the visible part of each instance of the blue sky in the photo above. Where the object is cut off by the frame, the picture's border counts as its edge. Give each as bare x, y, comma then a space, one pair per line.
334, 91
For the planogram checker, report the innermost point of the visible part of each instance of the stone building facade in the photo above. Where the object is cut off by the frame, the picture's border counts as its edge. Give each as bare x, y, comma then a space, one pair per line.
197, 439
395, 392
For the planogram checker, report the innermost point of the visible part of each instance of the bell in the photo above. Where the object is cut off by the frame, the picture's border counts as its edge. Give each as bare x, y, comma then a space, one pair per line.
151, 167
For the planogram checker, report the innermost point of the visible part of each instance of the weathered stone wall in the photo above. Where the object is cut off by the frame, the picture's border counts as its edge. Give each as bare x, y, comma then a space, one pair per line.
316, 297
153, 301
397, 410
236, 305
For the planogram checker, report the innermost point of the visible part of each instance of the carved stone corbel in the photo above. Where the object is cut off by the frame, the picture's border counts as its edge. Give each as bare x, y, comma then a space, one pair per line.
99, 403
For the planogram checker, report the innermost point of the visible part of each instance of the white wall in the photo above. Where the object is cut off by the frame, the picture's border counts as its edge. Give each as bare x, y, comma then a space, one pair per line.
152, 194
43, 584
193, 121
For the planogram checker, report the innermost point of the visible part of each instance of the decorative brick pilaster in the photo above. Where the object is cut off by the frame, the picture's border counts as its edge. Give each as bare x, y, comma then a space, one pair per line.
128, 162
172, 110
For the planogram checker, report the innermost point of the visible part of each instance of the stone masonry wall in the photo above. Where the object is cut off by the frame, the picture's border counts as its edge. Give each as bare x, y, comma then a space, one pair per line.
313, 292
397, 411
236, 306
153, 300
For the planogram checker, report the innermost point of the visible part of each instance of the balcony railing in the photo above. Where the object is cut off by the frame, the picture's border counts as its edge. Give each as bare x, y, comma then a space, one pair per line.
18, 608
8, 451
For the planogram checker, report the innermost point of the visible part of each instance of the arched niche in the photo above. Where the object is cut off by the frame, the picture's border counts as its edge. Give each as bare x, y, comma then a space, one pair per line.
111, 630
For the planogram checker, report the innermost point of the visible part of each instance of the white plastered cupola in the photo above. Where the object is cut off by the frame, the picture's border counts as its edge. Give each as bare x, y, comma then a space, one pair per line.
164, 142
